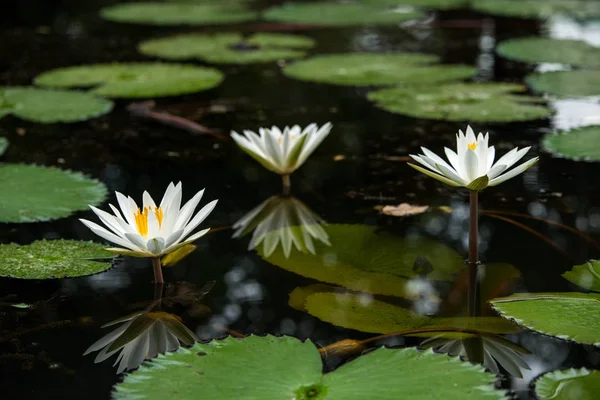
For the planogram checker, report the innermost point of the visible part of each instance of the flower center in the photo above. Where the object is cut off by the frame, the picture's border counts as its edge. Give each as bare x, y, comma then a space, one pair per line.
141, 219
472, 146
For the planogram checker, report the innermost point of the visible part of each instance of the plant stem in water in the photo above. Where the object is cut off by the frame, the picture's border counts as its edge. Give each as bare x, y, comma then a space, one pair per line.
287, 184
473, 261
158, 276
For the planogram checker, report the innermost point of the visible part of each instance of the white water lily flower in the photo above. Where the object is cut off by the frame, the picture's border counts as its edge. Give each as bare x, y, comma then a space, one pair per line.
151, 231
282, 152
285, 220
472, 166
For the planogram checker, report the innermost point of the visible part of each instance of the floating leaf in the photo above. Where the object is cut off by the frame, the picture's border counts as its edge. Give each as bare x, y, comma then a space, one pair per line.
403, 210
538, 8
543, 50
228, 47
361, 259
480, 102
586, 275
340, 14
570, 316
154, 13
134, 80
33, 193
363, 313
46, 259
3, 145
580, 384
581, 144
365, 69
49, 106
566, 83
434, 4
213, 369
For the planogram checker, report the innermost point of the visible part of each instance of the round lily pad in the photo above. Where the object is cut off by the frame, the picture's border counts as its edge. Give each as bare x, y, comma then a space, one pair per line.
181, 13
581, 144
47, 259
586, 275
580, 384
228, 47
577, 83
3, 145
49, 106
569, 316
277, 368
359, 258
134, 80
475, 102
538, 9
433, 4
32, 193
340, 14
364, 69
543, 50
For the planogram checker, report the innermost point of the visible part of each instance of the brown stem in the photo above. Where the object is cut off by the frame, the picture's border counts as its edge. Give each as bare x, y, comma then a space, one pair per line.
473, 295
158, 276
287, 184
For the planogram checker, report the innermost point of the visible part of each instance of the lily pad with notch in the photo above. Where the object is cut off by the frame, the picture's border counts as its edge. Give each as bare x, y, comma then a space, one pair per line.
228, 47
49, 259
51, 106
480, 102
586, 275
383, 373
340, 14
578, 83
134, 80
580, 384
34, 193
178, 13
544, 50
580, 144
367, 69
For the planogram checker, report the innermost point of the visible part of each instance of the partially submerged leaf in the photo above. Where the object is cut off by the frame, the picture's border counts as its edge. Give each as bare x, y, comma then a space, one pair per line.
213, 369
47, 259
580, 144
33, 193
544, 50
570, 384
586, 275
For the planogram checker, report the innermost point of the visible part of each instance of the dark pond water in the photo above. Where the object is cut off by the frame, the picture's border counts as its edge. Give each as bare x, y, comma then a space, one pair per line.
41, 350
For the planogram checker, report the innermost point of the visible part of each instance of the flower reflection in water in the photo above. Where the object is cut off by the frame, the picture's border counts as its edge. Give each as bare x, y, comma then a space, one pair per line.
285, 220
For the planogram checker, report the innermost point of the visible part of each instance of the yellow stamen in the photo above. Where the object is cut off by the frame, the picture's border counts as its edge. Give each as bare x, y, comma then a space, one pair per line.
472, 146
280, 140
141, 219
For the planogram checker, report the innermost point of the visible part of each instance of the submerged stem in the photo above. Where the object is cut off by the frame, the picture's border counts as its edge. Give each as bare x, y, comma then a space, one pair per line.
473, 261
158, 276
287, 184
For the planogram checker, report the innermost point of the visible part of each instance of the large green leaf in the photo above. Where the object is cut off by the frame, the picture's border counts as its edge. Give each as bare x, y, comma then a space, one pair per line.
586, 275
134, 80
365, 69
544, 50
570, 316
228, 47
49, 106
32, 193
571, 384
581, 144
3, 145
434, 4
340, 14
46, 259
362, 259
481, 102
538, 8
181, 13
363, 313
566, 83
276, 368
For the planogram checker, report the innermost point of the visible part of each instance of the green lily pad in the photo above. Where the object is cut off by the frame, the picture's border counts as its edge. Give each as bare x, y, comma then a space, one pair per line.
475, 102
543, 50
433, 4
48, 259
364, 69
579, 83
33, 193
49, 106
538, 9
569, 316
212, 369
134, 80
340, 14
580, 384
154, 13
228, 47
3, 145
363, 313
585, 275
361, 259
581, 144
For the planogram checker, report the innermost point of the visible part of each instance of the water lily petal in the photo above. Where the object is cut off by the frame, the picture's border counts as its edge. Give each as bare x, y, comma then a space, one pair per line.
187, 211
111, 237
490, 157
451, 174
147, 200
126, 208
514, 172
118, 227
199, 217
436, 159
435, 176
453, 158
138, 240
496, 170
471, 165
